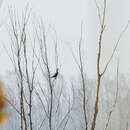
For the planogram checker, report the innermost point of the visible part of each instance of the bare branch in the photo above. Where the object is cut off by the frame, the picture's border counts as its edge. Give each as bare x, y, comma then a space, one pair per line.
99, 14
115, 48
13, 106
98, 69
115, 101
127, 123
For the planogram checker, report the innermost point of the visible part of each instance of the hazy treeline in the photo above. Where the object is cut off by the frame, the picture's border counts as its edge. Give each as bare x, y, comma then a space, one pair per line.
38, 94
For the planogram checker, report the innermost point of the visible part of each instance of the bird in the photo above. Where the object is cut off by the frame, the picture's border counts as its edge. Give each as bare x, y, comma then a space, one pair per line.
56, 74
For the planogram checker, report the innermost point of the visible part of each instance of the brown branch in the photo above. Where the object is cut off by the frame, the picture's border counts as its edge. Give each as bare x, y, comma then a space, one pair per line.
99, 14
98, 69
127, 123
83, 81
115, 102
115, 48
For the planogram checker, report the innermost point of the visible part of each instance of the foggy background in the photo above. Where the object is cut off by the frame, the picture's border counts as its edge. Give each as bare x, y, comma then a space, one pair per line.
66, 17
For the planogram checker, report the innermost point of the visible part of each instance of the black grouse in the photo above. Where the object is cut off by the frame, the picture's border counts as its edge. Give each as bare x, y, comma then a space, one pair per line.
55, 75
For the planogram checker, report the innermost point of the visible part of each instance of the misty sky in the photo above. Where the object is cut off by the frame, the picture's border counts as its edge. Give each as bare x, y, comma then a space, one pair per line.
66, 16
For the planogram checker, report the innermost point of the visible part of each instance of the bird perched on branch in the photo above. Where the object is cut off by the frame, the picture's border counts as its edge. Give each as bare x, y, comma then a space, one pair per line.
56, 74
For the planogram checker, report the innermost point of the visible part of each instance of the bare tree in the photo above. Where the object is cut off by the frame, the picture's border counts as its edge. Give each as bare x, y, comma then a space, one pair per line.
99, 73
52, 98
21, 61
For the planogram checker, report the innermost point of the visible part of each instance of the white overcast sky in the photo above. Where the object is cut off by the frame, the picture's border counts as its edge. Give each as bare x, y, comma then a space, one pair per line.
66, 17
